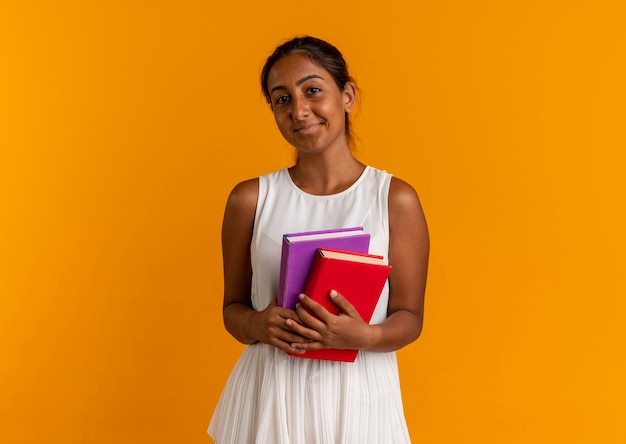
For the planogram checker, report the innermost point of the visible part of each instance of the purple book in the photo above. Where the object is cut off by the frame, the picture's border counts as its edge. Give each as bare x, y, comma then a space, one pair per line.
299, 251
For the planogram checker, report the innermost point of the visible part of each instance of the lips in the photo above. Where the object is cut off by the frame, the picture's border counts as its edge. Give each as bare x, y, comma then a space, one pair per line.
306, 129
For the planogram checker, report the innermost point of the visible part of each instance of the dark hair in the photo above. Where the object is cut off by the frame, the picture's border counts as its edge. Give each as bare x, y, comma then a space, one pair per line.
319, 52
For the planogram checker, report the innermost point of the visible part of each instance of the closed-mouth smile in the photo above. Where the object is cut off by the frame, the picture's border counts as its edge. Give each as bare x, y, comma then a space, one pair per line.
305, 129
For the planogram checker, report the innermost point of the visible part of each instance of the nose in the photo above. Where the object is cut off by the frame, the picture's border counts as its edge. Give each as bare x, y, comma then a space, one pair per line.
299, 108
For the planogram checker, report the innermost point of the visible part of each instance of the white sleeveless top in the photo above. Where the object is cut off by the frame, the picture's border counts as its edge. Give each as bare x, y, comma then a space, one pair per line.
272, 398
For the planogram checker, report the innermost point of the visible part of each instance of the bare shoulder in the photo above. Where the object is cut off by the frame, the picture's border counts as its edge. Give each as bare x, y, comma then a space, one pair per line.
407, 223
241, 207
244, 193
241, 204
403, 198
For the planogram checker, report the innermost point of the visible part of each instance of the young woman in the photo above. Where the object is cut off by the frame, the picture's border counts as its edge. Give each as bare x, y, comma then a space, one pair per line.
274, 398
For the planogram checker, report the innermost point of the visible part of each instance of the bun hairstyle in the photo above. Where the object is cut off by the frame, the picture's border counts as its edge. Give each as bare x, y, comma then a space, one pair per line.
319, 52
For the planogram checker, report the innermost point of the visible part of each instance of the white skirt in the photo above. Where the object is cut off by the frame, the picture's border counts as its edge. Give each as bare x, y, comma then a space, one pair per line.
273, 398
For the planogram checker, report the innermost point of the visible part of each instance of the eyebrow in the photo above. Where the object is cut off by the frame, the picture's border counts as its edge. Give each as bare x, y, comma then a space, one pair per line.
299, 82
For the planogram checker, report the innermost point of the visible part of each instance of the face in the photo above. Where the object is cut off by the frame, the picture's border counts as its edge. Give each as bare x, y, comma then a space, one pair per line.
308, 106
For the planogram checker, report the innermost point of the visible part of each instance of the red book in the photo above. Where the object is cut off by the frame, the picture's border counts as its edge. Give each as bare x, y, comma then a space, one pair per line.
359, 277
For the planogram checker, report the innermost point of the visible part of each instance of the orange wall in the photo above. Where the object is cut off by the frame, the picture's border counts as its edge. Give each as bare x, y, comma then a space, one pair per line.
123, 126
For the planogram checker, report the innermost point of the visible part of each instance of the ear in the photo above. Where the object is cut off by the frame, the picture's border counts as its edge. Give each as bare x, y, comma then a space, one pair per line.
349, 96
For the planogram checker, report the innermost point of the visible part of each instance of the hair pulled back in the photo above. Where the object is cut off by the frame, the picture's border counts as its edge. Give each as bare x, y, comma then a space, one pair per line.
319, 52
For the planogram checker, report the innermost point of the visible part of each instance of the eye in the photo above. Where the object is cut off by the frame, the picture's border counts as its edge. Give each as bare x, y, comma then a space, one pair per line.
280, 100
313, 90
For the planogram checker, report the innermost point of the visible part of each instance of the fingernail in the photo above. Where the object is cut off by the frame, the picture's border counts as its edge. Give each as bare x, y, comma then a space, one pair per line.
333, 293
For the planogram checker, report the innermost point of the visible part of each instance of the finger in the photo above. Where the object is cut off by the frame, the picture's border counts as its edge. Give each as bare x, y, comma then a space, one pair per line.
308, 309
284, 340
295, 339
283, 312
303, 346
309, 320
344, 305
290, 330
288, 347
309, 334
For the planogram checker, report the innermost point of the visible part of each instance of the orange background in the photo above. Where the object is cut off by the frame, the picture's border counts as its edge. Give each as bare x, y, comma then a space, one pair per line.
124, 125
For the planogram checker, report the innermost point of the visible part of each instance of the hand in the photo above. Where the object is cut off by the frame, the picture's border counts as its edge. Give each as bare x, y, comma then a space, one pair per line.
323, 329
274, 326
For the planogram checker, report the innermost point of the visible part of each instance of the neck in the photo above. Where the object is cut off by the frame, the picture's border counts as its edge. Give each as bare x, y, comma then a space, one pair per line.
322, 175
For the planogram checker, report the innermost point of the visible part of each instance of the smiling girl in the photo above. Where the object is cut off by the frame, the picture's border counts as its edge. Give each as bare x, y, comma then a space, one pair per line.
271, 397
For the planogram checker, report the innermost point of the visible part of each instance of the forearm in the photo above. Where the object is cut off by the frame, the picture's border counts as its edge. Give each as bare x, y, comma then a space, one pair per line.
398, 330
238, 318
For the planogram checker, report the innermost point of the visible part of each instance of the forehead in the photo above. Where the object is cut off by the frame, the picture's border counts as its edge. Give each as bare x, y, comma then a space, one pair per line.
288, 70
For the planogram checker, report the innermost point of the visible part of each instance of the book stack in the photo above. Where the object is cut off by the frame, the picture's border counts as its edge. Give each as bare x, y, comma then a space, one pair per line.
315, 263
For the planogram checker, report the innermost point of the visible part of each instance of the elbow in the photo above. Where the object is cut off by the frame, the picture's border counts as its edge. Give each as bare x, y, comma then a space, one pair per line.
412, 331
418, 331
236, 322
415, 330
408, 328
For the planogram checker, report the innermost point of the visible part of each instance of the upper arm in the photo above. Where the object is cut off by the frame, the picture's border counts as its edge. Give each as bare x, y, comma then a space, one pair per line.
237, 229
408, 250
